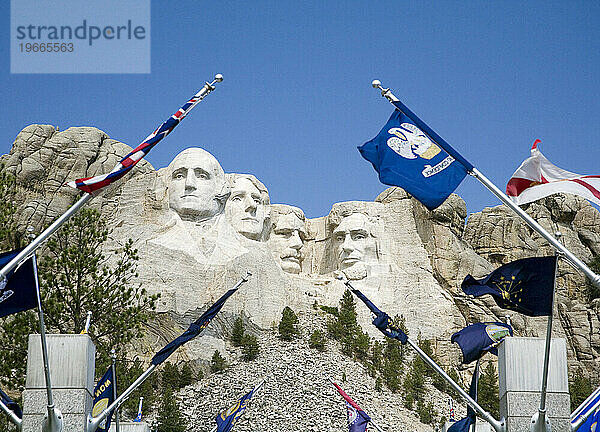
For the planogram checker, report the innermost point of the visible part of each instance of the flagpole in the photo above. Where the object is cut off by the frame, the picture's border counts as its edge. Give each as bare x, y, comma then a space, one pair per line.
94, 422
370, 420
474, 172
539, 421
113, 356
583, 405
499, 426
11, 415
581, 420
254, 390
53, 421
37, 242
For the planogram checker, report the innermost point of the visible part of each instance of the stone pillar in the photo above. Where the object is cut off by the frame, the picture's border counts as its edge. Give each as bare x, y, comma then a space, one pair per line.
71, 360
130, 427
520, 367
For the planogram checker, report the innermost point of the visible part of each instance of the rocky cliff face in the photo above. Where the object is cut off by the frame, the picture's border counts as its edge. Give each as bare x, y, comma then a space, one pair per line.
198, 230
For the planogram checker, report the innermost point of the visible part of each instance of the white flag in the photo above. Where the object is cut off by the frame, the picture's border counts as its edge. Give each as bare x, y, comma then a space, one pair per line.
537, 178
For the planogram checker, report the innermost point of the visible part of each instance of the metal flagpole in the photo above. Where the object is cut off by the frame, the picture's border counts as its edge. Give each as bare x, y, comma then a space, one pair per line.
474, 172
37, 242
253, 391
581, 420
88, 321
11, 415
53, 422
94, 422
375, 425
539, 421
499, 426
113, 356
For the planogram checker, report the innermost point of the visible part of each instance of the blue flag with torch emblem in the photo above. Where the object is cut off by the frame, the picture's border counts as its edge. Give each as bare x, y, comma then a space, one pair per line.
408, 154
228, 417
103, 397
477, 339
525, 285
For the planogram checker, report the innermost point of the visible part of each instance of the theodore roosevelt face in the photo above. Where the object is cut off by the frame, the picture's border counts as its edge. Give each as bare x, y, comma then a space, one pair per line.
196, 185
286, 241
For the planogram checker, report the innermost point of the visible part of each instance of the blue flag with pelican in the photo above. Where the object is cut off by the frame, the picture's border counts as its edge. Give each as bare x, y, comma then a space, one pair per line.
408, 154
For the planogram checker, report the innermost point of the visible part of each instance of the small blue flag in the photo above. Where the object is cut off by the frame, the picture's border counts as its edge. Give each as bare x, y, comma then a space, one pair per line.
193, 330
20, 292
227, 418
103, 397
408, 154
525, 285
477, 339
138, 417
11, 404
464, 424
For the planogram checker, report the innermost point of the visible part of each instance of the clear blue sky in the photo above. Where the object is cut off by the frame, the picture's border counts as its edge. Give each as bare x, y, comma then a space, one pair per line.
489, 77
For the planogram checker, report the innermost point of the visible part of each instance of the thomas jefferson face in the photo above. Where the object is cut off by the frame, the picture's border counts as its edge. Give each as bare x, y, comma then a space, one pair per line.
195, 185
287, 240
245, 209
354, 242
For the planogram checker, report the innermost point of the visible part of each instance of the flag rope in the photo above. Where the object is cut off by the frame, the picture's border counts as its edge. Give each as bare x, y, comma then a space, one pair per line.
40, 239
474, 172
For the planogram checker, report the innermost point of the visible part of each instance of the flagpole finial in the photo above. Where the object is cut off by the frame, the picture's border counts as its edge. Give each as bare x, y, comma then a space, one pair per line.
219, 78
385, 92
558, 235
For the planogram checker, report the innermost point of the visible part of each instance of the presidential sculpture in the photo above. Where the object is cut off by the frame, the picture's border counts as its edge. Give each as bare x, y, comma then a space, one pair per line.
287, 237
247, 208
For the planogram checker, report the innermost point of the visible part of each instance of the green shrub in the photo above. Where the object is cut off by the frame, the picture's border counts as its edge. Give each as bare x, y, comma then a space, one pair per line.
217, 362
288, 326
317, 340
250, 347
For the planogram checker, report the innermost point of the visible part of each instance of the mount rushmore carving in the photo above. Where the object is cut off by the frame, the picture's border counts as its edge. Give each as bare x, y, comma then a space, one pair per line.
198, 229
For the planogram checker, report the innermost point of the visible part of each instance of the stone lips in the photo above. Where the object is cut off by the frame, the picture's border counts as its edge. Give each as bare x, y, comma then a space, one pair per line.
421, 256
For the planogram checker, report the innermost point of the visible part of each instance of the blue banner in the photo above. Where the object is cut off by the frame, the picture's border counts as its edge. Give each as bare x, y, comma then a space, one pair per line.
19, 294
405, 156
103, 397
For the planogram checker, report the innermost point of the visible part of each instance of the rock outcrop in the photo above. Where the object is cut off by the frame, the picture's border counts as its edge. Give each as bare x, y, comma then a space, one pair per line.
198, 230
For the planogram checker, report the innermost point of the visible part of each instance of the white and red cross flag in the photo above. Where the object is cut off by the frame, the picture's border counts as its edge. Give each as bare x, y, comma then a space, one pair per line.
537, 178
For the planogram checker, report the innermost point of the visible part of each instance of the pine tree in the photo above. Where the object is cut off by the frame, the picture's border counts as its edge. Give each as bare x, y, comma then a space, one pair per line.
579, 388
250, 347
186, 376
76, 277
237, 333
170, 418
127, 373
592, 291
317, 340
288, 326
217, 362
488, 390
10, 236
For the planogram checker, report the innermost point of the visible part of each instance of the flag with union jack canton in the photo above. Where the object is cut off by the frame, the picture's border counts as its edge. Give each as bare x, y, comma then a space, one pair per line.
92, 184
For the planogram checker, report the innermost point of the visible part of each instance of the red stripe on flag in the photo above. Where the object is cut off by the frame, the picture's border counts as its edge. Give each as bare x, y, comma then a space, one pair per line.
517, 185
588, 186
345, 396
